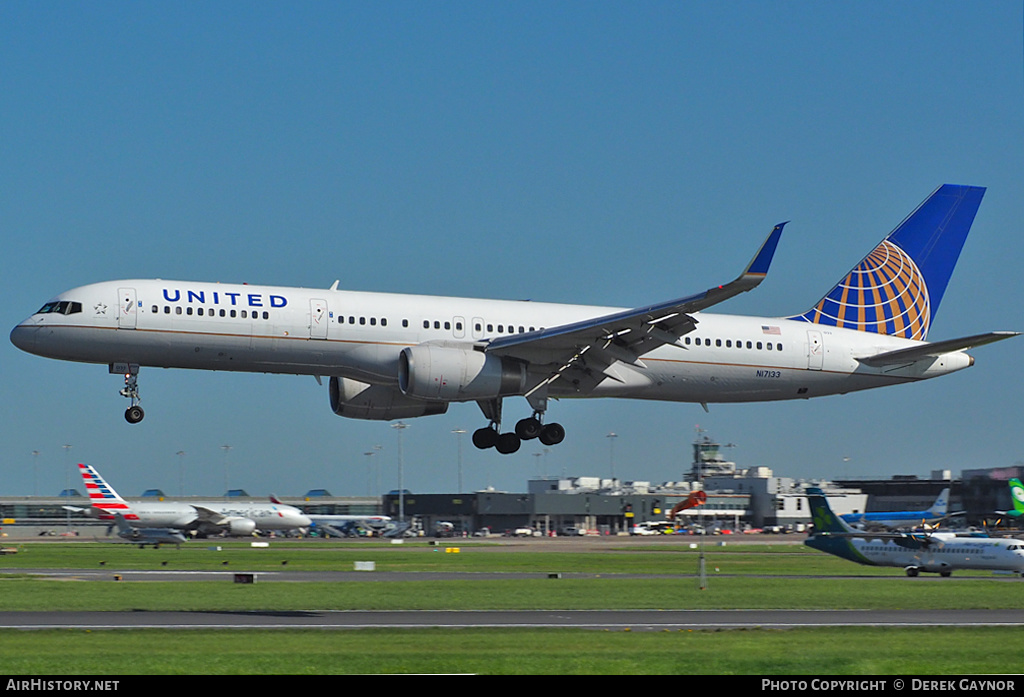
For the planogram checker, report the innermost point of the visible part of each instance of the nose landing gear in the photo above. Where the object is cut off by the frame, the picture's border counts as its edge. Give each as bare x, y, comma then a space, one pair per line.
133, 414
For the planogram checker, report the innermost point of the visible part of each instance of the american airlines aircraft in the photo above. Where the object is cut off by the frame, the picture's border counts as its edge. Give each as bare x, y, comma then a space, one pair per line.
934, 552
207, 517
390, 356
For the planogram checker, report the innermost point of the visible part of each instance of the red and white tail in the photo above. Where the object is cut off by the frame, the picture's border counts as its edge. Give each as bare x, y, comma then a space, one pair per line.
102, 496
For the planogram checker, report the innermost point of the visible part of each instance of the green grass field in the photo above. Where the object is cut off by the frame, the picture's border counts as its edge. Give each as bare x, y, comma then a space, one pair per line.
661, 577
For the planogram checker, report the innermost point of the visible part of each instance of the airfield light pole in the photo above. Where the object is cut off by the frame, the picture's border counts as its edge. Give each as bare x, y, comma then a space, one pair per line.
611, 452
35, 465
67, 479
181, 472
458, 435
401, 426
226, 449
369, 471
702, 574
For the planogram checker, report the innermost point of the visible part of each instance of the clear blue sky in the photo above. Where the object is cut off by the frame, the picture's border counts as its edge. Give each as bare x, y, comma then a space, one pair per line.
601, 152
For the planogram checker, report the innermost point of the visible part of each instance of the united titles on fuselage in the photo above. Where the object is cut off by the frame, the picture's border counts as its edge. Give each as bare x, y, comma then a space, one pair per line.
217, 297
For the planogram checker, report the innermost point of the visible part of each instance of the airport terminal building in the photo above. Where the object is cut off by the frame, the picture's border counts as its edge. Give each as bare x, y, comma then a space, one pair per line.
736, 499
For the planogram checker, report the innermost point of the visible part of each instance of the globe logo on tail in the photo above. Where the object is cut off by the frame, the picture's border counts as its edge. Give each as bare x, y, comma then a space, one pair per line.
884, 294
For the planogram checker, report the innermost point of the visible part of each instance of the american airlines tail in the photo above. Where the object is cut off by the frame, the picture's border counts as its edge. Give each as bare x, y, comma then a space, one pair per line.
897, 288
106, 502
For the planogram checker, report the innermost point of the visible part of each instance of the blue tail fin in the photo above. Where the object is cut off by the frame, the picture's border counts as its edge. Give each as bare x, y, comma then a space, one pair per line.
897, 288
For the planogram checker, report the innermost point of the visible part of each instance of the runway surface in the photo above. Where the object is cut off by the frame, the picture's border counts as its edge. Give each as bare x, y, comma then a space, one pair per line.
634, 620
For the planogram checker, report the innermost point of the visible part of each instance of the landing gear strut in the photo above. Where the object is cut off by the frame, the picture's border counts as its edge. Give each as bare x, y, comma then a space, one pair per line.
133, 414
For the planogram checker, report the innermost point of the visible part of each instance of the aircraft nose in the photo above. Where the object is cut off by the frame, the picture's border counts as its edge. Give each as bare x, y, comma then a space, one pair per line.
24, 337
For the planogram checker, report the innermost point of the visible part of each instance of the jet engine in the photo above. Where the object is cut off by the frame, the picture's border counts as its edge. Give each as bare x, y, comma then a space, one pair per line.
358, 400
456, 374
241, 527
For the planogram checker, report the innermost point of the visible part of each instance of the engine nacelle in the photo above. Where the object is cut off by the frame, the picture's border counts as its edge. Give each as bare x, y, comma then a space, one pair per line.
456, 374
358, 400
241, 527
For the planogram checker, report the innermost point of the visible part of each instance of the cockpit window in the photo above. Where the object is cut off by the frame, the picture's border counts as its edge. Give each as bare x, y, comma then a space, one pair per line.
62, 307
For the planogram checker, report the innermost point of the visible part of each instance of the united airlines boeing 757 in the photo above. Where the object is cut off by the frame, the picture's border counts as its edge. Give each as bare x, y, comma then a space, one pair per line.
390, 356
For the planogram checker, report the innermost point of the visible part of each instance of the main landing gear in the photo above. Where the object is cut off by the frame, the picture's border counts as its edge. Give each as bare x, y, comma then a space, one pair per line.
133, 414
490, 436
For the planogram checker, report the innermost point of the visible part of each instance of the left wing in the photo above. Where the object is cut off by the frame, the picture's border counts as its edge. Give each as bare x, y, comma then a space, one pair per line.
626, 336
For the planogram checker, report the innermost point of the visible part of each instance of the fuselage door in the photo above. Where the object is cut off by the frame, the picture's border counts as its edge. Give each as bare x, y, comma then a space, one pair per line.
478, 328
127, 308
459, 327
815, 350
318, 319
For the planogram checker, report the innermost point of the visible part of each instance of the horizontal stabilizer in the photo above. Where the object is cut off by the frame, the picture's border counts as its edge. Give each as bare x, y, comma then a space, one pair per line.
934, 349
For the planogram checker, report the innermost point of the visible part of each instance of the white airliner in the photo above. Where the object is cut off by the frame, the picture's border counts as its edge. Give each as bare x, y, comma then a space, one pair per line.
346, 521
394, 356
206, 517
935, 552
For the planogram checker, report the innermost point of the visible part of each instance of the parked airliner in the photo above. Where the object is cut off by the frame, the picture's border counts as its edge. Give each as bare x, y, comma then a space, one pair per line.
934, 552
205, 517
892, 520
390, 356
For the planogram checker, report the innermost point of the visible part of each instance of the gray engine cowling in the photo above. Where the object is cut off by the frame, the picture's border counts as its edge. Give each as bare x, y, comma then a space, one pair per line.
357, 400
457, 374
